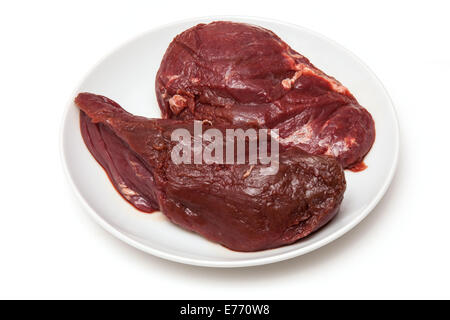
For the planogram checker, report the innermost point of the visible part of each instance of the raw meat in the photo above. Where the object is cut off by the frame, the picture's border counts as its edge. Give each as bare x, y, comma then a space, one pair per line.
239, 74
236, 205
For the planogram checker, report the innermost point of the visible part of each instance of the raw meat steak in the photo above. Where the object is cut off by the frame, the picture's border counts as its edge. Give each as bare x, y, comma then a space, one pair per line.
235, 73
236, 205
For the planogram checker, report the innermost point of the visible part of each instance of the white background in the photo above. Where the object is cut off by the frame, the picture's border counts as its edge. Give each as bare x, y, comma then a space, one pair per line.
50, 248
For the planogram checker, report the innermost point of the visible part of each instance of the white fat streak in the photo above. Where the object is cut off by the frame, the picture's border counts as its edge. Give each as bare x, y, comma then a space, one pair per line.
303, 69
338, 147
304, 135
177, 101
172, 78
336, 86
126, 191
289, 82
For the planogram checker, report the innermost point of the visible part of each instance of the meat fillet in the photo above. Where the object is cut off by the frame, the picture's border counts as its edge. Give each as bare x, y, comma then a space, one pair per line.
236, 205
245, 75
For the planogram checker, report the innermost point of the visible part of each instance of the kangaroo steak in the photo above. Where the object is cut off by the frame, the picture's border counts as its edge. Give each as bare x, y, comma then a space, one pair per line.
239, 74
236, 205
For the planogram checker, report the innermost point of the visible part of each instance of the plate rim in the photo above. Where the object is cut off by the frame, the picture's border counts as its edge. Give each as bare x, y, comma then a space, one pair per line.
244, 262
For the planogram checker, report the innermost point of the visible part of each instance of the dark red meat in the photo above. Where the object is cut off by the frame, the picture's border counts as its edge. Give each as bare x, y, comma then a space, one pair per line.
235, 73
126, 171
235, 205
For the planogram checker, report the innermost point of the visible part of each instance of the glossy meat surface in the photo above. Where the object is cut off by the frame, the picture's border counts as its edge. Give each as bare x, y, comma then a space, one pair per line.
242, 209
239, 74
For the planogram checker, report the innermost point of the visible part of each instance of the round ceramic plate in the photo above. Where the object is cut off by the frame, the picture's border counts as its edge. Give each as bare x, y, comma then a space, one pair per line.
127, 76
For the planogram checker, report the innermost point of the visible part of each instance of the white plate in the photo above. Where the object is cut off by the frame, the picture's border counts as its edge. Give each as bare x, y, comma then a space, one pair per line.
127, 76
